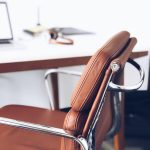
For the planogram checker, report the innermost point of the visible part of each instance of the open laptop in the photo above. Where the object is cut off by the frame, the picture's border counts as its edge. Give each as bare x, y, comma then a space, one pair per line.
6, 34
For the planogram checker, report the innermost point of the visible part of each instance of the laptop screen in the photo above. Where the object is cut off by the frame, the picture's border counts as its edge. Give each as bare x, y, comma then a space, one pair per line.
5, 26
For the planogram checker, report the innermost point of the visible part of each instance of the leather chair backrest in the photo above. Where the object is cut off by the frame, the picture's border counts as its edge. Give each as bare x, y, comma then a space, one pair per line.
90, 88
106, 116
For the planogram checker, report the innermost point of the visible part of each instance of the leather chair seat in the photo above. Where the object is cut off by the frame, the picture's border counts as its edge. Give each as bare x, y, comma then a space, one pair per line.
20, 139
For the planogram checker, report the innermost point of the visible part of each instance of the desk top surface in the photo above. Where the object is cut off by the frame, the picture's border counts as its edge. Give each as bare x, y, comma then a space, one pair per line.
38, 48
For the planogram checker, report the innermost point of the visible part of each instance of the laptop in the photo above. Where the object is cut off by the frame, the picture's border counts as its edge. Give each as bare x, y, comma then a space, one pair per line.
6, 35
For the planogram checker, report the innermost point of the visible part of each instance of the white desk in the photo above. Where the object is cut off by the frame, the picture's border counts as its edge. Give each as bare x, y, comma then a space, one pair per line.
26, 53
37, 53
40, 49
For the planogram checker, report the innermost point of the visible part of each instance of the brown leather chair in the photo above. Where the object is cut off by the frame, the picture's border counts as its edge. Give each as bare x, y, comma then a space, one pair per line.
90, 117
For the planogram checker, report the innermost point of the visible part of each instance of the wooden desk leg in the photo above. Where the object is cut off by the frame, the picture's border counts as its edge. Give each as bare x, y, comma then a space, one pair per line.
54, 80
119, 139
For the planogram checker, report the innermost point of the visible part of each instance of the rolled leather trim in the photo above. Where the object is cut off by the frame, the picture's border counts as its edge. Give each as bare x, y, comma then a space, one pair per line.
122, 59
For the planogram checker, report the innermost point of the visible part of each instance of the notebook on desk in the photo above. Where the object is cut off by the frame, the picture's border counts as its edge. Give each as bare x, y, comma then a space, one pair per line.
6, 34
64, 30
71, 31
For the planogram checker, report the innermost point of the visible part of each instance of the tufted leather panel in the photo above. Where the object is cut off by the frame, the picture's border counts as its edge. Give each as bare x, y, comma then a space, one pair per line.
89, 83
121, 61
91, 87
84, 92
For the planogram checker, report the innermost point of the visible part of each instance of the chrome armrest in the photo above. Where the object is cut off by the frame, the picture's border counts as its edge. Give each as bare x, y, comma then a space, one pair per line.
44, 129
51, 71
113, 86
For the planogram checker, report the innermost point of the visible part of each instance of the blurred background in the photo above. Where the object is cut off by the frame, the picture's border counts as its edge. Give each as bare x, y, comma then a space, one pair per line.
104, 17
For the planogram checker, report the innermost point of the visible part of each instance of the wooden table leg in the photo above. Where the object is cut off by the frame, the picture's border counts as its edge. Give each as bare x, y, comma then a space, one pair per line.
54, 80
119, 139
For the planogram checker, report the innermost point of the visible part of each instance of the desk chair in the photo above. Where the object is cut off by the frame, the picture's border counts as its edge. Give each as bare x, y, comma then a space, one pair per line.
90, 118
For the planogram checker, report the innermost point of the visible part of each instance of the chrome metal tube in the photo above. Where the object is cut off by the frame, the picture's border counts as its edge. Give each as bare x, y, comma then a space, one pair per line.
99, 109
113, 86
51, 71
44, 129
69, 72
116, 115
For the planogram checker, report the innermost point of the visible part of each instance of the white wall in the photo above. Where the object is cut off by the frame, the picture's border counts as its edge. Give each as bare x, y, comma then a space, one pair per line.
106, 17
26, 87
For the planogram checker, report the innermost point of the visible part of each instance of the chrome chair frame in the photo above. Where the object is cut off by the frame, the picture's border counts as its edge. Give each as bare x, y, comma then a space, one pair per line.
136, 86
62, 133
44, 129
116, 100
51, 71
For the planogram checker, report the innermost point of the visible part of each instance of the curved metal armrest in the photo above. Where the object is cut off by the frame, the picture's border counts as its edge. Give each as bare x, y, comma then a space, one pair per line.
44, 129
113, 86
51, 71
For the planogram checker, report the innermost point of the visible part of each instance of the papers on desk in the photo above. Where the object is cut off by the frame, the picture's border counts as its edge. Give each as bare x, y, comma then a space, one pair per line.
63, 30
35, 30
71, 31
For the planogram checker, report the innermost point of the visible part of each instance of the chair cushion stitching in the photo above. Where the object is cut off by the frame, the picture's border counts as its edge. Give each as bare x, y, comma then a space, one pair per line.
83, 82
84, 102
76, 124
90, 70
